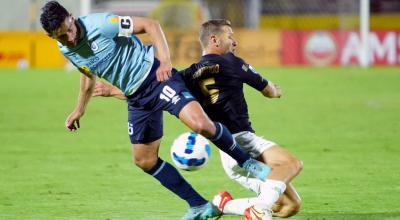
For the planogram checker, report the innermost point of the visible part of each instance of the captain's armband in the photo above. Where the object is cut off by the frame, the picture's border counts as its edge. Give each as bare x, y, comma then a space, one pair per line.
125, 28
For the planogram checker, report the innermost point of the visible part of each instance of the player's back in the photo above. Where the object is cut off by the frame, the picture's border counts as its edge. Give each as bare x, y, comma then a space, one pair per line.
217, 83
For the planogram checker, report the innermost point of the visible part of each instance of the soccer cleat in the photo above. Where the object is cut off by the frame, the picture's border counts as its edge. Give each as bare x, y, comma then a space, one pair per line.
252, 213
256, 168
202, 212
221, 199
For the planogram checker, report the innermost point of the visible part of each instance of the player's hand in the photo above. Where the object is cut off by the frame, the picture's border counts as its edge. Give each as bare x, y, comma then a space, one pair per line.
72, 122
102, 89
164, 71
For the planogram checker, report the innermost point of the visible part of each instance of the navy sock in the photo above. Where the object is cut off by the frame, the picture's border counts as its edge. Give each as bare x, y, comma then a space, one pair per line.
223, 140
170, 178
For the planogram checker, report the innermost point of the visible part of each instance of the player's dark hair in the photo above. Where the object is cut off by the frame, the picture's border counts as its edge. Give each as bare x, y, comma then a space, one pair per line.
53, 15
211, 27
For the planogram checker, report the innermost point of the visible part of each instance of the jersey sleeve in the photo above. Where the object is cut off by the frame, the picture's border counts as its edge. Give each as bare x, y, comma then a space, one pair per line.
114, 25
106, 22
247, 74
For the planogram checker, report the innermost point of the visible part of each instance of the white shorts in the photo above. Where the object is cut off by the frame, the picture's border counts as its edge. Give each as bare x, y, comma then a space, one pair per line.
252, 144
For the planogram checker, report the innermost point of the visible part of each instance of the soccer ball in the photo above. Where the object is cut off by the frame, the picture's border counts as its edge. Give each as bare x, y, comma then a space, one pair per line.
190, 151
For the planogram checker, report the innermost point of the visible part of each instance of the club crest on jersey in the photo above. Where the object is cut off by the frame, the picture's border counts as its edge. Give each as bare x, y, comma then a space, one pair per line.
245, 67
94, 46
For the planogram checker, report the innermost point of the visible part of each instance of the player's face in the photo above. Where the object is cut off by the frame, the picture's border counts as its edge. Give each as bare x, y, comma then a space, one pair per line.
226, 41
67, 33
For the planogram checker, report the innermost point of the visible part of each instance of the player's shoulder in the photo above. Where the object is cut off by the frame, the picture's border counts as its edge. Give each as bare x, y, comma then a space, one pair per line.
232, 58
99, 17
106, 23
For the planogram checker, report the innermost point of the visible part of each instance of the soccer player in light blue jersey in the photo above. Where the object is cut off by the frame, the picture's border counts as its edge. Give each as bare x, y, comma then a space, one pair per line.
104, 45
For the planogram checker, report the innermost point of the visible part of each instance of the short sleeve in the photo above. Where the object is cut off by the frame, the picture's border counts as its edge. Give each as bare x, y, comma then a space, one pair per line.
110, 25
248, 74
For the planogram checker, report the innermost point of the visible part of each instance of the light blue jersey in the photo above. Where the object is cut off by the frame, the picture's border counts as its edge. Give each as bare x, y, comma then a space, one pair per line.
110, 51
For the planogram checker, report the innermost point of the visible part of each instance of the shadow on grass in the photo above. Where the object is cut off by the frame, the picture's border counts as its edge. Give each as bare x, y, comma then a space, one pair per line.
348, 216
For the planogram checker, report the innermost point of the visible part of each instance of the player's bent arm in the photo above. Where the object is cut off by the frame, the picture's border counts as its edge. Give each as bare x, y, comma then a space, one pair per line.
272, 90
108, 90
153, 28
87, 83
86, 88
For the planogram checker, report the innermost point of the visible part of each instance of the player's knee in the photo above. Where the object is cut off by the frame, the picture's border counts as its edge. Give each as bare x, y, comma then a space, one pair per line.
145, 163
203, 127
298, 166
295, 165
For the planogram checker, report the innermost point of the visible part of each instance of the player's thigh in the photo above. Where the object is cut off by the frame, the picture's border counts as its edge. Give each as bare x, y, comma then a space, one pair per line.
145, 155
144, 126
193, 116
277, 156
252, 144
146, 150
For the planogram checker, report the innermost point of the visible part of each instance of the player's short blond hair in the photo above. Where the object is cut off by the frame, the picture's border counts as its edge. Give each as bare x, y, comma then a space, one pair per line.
211, 27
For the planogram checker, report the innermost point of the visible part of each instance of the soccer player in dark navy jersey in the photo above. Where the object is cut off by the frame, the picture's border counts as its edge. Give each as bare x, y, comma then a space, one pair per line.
217, 81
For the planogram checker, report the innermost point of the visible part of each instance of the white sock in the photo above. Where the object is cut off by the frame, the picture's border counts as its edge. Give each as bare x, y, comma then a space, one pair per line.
237, 206
270, 191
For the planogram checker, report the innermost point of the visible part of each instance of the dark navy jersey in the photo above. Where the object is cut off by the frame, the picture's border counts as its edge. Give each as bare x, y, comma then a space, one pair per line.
217, 83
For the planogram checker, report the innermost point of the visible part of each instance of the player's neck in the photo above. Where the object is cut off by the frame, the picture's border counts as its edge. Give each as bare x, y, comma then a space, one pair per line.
80, 31
207, 51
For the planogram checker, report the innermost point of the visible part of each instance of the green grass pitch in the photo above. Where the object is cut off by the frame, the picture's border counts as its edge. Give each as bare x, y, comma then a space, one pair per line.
344, 123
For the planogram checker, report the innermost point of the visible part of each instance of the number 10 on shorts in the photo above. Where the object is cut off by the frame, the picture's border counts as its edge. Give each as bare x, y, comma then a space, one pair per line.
168, 94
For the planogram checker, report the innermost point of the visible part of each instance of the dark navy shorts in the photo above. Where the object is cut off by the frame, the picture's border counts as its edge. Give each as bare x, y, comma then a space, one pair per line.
145, 106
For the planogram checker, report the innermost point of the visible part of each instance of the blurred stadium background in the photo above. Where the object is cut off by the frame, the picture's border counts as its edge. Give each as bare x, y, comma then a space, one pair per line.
270, 32
341, 119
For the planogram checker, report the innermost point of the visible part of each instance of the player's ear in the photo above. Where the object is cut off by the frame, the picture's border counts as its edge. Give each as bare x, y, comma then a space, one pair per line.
214, 39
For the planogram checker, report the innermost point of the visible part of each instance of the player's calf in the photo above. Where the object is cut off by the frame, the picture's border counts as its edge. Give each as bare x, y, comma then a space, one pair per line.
285, 166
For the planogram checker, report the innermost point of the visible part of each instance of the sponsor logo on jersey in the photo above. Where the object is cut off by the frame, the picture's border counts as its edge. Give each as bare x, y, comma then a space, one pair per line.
187, 95
96, 61
113, 20
84, 69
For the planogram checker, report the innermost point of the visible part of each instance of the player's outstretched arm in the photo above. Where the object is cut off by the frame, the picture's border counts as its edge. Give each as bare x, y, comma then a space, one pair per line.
272, 90
153, 28
87, 83
107, 90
